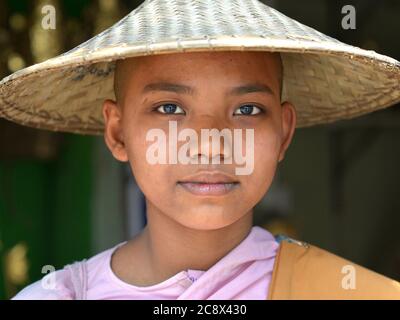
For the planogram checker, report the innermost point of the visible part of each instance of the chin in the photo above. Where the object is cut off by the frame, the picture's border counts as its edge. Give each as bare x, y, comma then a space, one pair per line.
207, 217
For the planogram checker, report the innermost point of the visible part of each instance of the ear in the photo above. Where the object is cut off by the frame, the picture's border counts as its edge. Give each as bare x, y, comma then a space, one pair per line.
289, 119
113, 133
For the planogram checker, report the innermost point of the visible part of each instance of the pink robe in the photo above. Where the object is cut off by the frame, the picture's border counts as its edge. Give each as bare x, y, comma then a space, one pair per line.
244, 273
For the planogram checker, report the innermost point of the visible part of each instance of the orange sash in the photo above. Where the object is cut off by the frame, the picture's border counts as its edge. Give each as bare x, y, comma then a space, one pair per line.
303, 271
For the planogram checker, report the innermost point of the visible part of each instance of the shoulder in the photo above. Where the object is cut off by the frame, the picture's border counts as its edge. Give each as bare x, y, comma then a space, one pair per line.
60, 284
305, 271
54, 286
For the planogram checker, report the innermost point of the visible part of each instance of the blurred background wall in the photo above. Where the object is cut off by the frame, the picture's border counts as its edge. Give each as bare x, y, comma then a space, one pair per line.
64, 198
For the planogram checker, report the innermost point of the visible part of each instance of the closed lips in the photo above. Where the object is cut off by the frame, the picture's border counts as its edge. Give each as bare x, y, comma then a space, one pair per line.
209, 184
209, 178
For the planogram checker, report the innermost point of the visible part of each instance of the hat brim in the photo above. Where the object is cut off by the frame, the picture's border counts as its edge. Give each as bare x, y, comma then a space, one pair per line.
324, 79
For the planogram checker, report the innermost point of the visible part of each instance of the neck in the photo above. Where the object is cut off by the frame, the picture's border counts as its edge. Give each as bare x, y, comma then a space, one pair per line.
171, 247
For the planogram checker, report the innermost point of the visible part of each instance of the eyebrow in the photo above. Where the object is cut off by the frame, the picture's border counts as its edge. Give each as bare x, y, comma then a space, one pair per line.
183, 89
167, 86
250, 88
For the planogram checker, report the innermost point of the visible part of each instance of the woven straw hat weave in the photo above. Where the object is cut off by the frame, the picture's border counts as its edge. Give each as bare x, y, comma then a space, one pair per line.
325, 79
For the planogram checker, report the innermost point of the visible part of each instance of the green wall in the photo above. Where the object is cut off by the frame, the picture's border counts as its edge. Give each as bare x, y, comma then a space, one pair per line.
47, 205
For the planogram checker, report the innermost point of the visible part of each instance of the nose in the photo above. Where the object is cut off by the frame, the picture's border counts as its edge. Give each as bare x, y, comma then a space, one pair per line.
214, 141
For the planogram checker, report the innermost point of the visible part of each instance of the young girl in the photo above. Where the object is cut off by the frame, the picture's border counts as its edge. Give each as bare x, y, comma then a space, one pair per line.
199, 241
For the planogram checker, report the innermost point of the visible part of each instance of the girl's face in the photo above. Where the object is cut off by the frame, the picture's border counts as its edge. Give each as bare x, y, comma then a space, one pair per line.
196, 90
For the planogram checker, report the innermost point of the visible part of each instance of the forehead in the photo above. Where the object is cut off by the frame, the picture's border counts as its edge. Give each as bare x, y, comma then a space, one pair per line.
229, 60
218, 68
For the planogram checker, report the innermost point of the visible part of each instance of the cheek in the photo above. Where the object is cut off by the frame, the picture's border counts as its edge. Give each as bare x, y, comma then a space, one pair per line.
266, 145
266, 149
266, 154
145, 173
135, 143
